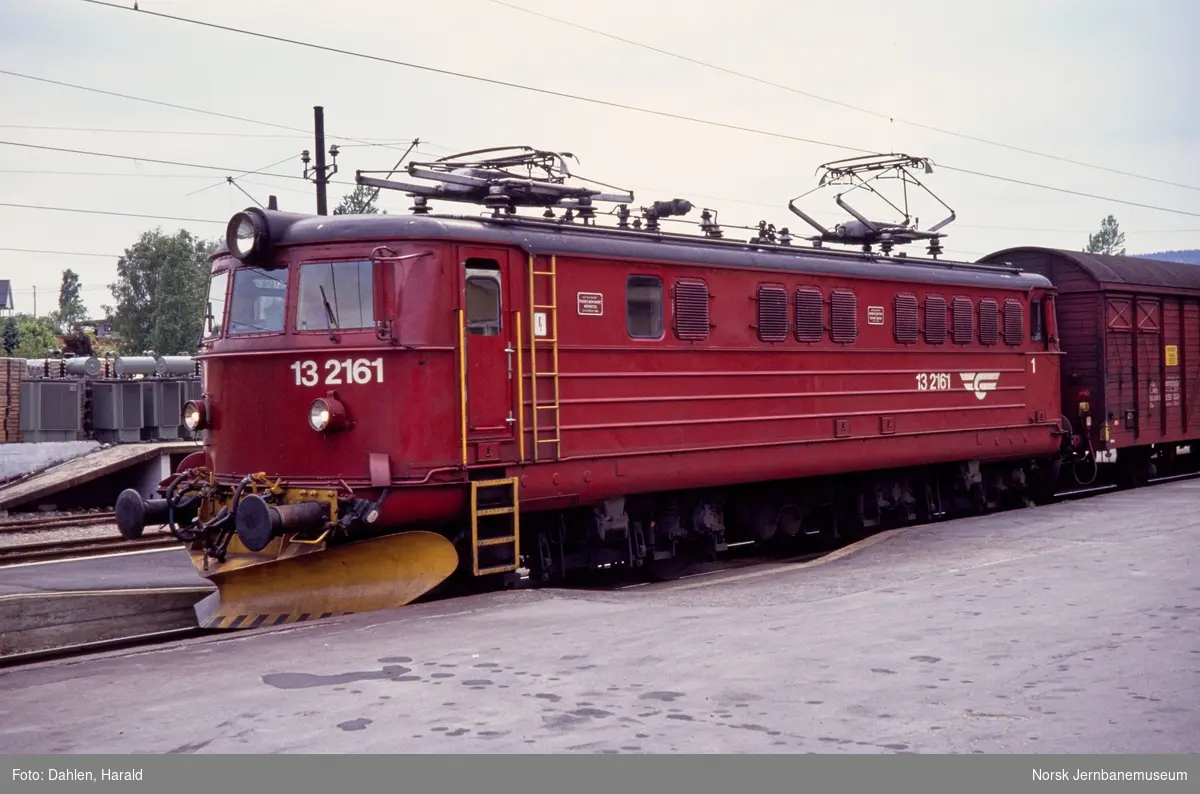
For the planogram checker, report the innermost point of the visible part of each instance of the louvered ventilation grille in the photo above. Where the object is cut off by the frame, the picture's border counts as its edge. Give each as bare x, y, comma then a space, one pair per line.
772, 313
810, 324
691, 310
1014, 322
935, 320
843, 311
989, 321
906, 319
964, 329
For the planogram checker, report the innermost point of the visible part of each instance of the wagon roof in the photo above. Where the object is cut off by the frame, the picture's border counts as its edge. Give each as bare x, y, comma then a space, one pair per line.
1131, 271
546, 238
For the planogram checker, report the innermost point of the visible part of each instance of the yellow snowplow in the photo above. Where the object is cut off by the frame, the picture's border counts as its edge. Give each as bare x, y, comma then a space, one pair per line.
284, 559
293, 582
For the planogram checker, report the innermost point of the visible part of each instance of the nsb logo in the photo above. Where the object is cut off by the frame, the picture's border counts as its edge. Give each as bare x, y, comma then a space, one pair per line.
980, 382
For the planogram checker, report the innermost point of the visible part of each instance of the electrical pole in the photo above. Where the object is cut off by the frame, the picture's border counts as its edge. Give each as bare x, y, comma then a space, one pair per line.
322, 177
321, 173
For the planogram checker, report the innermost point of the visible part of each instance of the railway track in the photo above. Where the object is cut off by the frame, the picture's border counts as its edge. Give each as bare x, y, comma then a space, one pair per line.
81, 547
122, 643
57, 522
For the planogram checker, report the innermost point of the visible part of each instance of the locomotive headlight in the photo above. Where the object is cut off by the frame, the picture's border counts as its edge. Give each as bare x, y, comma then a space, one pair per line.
246, 234
326, 413
193, 415
318, 415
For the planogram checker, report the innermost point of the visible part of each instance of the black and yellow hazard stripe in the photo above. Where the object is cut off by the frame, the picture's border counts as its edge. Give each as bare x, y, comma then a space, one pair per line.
252, 621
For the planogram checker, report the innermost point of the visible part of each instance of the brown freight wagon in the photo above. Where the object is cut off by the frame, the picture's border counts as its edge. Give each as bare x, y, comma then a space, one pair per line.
1130, 333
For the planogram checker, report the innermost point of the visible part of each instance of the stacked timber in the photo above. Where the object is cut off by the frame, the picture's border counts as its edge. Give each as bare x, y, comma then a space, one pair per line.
12, 370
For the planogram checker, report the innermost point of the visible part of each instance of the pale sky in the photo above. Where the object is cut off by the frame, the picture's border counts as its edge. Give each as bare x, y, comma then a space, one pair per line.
1107, 82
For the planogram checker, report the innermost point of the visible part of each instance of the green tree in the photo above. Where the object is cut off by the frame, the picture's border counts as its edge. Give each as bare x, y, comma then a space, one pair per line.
71, 311
161, 286
1109, 240
35, 336
361, 201
12, 337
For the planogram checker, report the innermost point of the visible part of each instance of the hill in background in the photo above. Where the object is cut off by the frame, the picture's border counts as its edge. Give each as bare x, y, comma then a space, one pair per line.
1190, 257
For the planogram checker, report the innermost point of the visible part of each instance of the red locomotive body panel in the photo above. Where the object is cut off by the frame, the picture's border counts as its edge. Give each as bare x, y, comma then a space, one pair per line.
1131, 334
669, 372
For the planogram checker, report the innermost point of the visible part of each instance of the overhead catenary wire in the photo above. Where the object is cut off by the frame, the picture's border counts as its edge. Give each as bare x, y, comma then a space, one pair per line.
198, 133
889, 117
581, 98
149, 159
59, 253
46, 208
488, 80
202, 111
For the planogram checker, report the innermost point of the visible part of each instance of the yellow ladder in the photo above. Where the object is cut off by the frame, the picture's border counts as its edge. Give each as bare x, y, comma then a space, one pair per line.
495, 490
552, 328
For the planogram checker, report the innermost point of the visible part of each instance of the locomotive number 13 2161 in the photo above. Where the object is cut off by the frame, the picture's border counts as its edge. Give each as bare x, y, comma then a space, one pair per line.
933, 381
337, 373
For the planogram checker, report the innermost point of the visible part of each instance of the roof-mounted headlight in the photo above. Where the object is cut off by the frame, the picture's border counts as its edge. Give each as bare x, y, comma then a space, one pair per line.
247, 235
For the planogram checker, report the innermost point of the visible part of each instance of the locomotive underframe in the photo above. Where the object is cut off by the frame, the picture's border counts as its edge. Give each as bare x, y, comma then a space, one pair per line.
661, 532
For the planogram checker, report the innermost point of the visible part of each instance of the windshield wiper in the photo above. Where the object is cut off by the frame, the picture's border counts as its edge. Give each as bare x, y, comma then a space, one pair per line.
330, 320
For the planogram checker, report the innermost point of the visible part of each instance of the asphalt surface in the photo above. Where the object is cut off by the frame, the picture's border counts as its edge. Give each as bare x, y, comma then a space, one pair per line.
1068, 629
159, 568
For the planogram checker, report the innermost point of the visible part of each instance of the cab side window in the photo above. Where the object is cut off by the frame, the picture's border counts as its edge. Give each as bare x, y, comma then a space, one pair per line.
644, 307
483, 304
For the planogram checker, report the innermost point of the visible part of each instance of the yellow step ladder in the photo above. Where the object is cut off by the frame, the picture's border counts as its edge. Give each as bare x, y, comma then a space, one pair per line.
490, 492
551, 309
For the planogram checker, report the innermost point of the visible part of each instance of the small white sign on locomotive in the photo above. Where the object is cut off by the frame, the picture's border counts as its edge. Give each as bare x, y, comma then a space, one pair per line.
874, 315
590, 303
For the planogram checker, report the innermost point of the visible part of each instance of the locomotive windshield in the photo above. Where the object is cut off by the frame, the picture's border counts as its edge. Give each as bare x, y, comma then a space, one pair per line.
335, 295
259, 297
214, 314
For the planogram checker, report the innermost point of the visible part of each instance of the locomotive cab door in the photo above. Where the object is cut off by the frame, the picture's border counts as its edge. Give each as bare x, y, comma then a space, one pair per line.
489, 349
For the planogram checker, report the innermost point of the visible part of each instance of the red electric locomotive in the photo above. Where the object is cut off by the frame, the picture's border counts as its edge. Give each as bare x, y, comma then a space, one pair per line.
391, 400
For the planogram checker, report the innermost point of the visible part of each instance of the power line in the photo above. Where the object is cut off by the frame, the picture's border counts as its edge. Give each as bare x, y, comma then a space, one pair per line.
109, 212
104, 174
1071, 192
150, 160
957, 225
839, 103
591, 100
488, 80
200, 133
185, 107
60, 253
230, 179
156, 176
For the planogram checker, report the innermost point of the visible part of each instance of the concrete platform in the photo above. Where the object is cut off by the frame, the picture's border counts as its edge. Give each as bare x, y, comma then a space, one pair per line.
1068, 629
51, 605
152, 462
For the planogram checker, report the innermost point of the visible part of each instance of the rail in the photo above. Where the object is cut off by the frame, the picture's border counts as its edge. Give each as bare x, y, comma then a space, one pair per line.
57, 522
82, 547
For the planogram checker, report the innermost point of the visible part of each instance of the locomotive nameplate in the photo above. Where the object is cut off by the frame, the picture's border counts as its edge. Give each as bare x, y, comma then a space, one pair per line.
874, 315
590, 303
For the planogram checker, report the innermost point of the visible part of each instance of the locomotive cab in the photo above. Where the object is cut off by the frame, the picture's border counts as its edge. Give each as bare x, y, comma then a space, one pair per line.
306, 465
